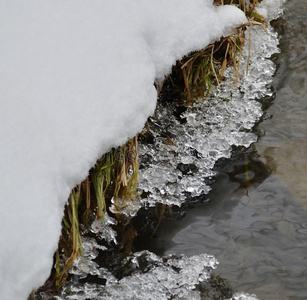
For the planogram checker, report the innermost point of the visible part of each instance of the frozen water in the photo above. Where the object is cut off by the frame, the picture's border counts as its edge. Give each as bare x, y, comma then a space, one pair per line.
102, 228
271, 9
76, 78
127, 208
243, 296
150, 277
85, 265
169, 277
211, 126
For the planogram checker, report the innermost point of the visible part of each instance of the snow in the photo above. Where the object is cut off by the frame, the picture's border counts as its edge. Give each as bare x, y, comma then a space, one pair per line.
76, 78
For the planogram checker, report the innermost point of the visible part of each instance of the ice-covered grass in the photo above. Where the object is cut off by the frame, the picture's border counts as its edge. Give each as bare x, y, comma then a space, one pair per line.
76, 78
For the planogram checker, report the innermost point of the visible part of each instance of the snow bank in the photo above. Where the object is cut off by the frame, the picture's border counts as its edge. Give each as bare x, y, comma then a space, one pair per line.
76, 78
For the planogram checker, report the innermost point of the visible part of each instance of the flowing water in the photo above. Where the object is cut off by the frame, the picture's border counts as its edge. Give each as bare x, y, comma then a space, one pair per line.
256, 222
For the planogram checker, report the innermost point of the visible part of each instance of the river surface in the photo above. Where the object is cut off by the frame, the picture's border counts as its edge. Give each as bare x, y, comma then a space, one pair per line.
256, 221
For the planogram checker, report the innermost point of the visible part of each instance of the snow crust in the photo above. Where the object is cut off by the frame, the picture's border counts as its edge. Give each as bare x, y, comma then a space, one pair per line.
76, 78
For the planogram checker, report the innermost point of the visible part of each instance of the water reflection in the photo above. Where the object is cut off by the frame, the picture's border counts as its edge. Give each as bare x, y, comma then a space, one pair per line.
257, 226
259, 234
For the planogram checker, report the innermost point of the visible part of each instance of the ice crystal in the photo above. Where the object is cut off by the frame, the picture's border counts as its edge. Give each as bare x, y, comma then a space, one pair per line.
102, 228
85, 265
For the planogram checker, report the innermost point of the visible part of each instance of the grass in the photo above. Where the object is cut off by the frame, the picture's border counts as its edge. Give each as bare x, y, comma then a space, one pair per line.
113, 177
199, 71
203, 69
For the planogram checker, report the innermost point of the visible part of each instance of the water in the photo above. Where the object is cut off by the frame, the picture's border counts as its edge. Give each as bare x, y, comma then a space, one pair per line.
256, 223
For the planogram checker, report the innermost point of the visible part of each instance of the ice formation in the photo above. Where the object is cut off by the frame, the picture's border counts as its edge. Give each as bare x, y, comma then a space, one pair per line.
210, 127
76, 78
148, 277
152, 277
243, 296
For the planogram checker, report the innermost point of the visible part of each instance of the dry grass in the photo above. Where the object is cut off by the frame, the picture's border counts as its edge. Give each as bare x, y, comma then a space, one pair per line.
202, 69
114, 176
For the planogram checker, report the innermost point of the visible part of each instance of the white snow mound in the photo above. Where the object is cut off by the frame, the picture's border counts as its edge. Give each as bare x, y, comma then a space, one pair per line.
76, 78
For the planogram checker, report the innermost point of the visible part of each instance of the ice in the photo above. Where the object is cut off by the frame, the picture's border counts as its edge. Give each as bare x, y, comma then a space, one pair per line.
84, 265
127, 208
148, 276
102, 228
152, 277
271, 9
212, 126
243, 296
76, 78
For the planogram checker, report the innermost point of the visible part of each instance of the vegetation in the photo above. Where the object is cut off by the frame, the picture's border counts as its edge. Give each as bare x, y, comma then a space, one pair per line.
113, 177
197, 72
